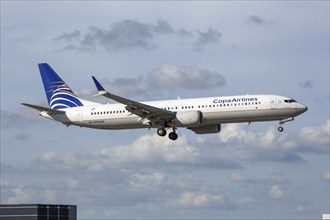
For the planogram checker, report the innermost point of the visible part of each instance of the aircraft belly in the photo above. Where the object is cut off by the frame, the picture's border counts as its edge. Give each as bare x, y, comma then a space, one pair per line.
114, 123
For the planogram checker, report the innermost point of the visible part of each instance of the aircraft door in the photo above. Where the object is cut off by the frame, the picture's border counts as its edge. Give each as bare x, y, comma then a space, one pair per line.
80, 115
272, 102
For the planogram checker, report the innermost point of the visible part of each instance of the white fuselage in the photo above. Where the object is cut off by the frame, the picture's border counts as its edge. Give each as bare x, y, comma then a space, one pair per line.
215, 110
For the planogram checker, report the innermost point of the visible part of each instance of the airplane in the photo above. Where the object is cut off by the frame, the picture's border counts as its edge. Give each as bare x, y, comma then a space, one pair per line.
200, 115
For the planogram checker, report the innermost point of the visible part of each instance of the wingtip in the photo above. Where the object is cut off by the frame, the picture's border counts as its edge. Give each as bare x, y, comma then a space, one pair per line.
98, 85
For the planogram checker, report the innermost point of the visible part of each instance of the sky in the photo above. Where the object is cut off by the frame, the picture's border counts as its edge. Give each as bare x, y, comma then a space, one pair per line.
146, 50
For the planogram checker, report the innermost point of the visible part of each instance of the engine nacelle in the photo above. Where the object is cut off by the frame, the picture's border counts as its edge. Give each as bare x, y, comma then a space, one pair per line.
188, 118
207, 129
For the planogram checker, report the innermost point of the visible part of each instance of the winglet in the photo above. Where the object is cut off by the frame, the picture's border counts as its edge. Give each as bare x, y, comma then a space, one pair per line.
98, 86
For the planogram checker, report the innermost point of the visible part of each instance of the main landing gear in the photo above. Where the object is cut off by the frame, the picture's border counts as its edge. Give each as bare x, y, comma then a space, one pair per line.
172, 135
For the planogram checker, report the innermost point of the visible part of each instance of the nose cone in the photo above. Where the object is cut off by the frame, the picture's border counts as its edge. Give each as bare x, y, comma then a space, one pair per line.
302, 108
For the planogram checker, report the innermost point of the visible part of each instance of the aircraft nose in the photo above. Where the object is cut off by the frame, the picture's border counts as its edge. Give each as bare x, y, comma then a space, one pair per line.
303, 108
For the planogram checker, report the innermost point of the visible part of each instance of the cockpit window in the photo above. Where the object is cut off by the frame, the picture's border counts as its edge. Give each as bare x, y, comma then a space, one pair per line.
289, 100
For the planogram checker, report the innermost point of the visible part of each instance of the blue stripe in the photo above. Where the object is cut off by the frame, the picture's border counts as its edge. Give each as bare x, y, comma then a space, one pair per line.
64, 102
67, 97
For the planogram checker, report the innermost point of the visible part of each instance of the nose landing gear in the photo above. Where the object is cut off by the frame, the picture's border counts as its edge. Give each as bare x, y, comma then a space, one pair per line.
280, 128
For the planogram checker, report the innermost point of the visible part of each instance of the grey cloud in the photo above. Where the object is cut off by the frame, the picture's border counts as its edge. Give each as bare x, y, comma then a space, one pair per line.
121, 35
170, 76
183, 33
146, 150
162, 27
314, 139
269, 146
18, 119
277, 178
306, 85
69, 36
130, 87
256, 19
167, 76
130, 176
21, 137
211, 36
130, 34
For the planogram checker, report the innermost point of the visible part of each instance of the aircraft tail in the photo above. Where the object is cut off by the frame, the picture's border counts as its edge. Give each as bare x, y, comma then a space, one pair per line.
59, 94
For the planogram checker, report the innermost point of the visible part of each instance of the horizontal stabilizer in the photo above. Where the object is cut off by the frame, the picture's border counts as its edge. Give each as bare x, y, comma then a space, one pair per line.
43, 109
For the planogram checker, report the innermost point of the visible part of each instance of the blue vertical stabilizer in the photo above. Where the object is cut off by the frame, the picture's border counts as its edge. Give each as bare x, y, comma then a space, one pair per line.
59, 94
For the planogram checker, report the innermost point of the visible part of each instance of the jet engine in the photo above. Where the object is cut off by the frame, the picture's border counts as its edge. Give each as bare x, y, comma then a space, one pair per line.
188, 118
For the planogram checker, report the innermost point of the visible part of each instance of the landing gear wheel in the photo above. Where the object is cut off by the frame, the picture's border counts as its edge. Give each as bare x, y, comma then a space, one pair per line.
173, 136
280, 129
161, 132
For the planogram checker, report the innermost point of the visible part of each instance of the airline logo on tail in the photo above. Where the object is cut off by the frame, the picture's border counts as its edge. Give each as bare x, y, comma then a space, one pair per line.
59, 94
63, 97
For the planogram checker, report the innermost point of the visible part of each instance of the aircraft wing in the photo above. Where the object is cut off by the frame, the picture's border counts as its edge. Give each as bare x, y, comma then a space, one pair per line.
154, 114
43, 109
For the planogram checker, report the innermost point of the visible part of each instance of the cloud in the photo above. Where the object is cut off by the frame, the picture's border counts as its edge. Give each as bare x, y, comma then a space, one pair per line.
315, 138
270, 145
326, 176
17, 194
198, 199
211, 36
170, 76
184, 33
22, 137
131, 34
306, 85
276, 192
69, 36
146, 182
262, 146
256, 19
276, 178
20, 119
165, 77
143, 175
125, 34
129, 87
